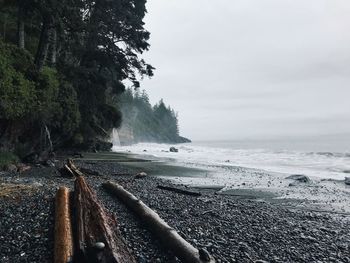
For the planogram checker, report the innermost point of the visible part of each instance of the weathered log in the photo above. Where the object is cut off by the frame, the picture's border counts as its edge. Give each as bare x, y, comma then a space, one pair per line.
63, 250
68, 171
178, 190
73, 168
179, 246
97, 237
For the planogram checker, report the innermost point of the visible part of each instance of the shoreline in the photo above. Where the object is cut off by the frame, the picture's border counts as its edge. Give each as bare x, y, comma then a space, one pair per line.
324, 195
231, 228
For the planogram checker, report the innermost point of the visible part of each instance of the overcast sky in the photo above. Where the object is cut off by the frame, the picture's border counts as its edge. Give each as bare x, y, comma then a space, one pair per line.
238, 69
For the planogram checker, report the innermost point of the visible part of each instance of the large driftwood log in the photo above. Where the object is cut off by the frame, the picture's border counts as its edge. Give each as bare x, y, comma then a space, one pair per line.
97, 238
178, 190
179, 246
63, 250
73, 168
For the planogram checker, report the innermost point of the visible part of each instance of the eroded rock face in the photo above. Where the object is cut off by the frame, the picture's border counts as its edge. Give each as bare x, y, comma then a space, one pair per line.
299, 178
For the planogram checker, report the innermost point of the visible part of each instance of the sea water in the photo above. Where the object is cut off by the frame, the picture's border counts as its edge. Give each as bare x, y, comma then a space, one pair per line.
315, 157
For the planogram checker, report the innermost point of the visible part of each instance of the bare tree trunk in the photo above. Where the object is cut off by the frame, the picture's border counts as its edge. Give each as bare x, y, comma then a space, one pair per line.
63, 228
97, 235
43, 46
179, 246
20, 26
53, 47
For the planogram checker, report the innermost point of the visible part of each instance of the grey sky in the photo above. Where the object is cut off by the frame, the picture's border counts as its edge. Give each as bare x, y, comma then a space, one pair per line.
251, 69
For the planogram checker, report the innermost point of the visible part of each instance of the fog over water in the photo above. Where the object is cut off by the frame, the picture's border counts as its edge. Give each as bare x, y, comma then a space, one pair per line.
252, 69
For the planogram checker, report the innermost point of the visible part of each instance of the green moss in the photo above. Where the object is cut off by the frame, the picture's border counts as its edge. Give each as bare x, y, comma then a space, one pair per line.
7, 158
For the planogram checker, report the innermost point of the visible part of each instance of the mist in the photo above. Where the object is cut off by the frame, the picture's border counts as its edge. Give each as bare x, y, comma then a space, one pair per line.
252, 69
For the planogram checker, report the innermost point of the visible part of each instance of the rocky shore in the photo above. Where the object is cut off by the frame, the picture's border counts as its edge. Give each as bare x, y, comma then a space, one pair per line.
232, 229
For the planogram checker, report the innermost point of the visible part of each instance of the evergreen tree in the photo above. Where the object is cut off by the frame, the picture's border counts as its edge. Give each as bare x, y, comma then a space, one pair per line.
78, 53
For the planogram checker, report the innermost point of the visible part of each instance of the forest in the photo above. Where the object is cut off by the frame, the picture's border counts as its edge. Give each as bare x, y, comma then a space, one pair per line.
158, 123
63, 65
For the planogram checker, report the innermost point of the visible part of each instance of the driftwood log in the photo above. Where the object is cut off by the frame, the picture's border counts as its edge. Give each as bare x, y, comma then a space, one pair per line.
63, 250
178, 190
73, 168
179, 246
97, 237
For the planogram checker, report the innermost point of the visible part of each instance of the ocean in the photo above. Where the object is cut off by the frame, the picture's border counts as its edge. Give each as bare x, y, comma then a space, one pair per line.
315, 157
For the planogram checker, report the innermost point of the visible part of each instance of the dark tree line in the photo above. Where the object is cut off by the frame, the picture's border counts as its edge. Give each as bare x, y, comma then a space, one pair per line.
61, 64
158, 123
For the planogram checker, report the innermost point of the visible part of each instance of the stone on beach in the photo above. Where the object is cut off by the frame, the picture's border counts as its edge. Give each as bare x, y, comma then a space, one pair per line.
299, 178
141, 175
347, 180
173, 150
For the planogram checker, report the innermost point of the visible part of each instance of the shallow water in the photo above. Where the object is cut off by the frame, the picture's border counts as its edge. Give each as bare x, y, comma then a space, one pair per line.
313, 162
257, 169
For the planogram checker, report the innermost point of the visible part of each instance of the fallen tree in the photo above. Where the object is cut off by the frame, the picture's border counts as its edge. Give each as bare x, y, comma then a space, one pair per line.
63, 250
179, 246
72, 168
178, 190
97, 237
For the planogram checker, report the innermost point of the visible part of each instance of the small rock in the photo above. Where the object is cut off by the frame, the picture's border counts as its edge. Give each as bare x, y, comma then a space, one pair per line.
299, 177
141, 175
347, 180
243, 246
173, 150
204, 255
99, 245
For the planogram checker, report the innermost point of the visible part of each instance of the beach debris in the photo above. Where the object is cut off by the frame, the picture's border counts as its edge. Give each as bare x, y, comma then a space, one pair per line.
179, 190
72, 169
299, 178
95, 223
173, 150
21, 167
179, 246
10, 168
49, 163
63, 249
140, 175
347, 180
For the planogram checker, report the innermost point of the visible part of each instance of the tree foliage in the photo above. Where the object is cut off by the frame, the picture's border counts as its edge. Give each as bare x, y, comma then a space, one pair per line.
62, 62
158, 123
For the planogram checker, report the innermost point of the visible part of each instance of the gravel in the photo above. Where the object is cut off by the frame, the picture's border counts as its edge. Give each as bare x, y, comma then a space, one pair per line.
229, 228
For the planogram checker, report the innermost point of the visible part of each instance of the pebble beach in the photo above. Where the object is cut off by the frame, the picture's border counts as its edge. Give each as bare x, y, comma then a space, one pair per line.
231, 228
